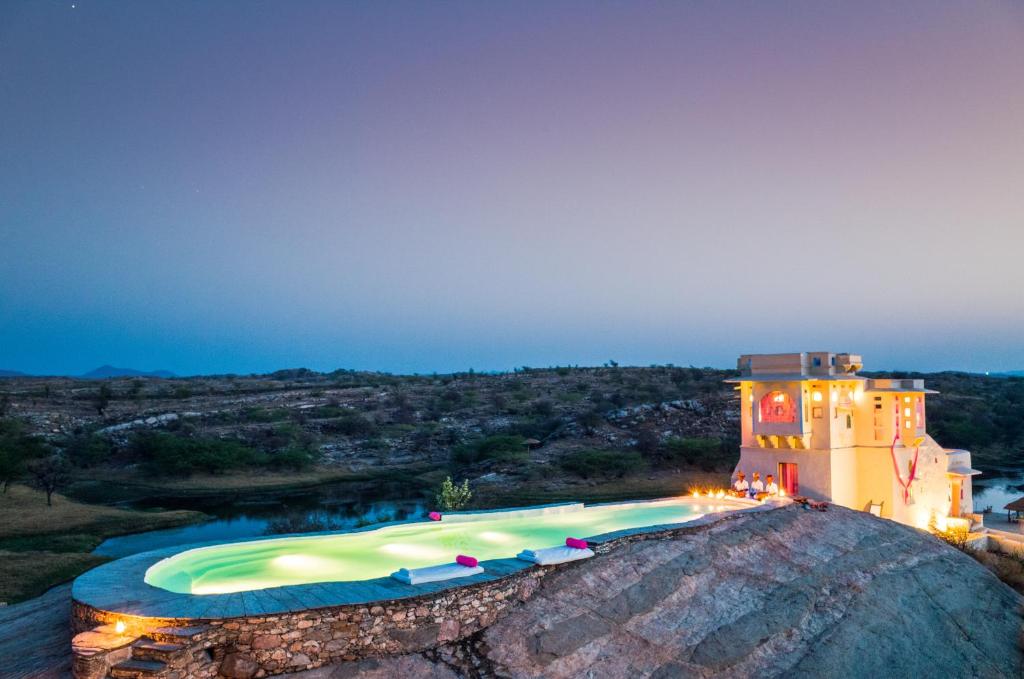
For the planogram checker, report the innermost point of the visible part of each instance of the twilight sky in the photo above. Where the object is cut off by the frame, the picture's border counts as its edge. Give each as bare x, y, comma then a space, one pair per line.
420, 186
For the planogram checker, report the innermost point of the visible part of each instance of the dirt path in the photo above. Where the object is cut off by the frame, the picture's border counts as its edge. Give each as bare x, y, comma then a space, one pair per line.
35, 636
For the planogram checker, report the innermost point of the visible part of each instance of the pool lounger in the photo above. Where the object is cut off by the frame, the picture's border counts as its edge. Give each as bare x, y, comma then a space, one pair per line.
448, 571
553, 555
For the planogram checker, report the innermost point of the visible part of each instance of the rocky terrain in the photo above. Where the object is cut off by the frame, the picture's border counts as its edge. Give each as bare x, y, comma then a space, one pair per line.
792, 593
355, 422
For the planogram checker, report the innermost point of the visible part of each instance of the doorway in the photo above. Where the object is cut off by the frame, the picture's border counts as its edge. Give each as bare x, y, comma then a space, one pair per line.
789, 480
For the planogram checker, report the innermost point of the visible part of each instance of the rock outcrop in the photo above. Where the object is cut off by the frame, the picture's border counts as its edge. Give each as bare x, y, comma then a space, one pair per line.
791, 592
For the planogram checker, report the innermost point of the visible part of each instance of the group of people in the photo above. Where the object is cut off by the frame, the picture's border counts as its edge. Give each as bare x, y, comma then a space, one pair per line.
756, 488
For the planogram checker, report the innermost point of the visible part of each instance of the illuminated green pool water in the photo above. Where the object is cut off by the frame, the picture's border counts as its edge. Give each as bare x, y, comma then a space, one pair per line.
259, 564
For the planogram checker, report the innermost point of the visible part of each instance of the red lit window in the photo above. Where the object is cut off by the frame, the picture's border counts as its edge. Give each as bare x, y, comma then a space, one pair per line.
777, 406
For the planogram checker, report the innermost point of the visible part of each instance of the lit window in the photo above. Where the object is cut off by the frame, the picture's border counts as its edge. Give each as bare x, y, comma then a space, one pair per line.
906, 399
906, 412
777, 407
817, 397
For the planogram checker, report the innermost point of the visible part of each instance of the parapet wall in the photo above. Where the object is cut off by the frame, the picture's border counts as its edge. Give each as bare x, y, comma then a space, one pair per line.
303, 640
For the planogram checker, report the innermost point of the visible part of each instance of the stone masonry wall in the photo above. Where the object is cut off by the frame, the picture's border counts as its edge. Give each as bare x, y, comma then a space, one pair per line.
288, 642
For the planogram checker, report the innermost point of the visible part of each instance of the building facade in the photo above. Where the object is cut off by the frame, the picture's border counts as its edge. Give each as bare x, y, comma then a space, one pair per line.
827, 433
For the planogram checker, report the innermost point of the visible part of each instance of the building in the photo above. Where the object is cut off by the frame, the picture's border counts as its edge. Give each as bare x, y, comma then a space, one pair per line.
829, 434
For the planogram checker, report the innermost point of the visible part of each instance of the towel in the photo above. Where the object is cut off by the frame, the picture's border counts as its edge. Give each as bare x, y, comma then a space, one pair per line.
553, 555
463, 560
448, 571
434, 516
575, 543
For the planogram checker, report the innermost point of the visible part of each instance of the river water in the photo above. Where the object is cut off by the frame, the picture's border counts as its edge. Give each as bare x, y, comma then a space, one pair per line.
326, 508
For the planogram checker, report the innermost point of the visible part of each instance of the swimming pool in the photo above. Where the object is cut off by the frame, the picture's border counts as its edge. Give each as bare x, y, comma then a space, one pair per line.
376, 553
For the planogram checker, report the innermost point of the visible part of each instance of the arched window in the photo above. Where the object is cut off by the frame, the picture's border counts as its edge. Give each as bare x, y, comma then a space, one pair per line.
777, 406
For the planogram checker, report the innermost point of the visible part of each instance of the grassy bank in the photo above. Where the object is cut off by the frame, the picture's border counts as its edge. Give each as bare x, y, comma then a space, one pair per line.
96, 486
42, 546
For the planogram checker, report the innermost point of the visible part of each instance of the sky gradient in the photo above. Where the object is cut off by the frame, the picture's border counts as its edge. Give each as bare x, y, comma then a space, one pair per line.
417, 187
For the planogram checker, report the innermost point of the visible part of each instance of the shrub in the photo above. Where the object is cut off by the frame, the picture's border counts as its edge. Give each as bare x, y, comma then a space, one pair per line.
295, 456
87, 450
163, 453
451, 497
705, 453
647, 440
501, 447
597, 463
1008, 568
590, 420
352, 424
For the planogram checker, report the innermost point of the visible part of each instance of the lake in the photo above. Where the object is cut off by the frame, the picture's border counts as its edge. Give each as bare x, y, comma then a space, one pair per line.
324, 508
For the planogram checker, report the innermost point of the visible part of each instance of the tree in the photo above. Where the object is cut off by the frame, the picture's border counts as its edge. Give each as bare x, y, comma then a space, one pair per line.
16, 448
50, 474
102, 399
451, 497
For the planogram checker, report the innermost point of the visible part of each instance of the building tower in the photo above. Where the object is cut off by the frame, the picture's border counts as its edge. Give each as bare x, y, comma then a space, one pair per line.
830, 434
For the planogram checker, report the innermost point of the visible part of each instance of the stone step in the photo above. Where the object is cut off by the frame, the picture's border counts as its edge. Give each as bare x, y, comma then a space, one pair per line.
147, 649
177, 635
137, 669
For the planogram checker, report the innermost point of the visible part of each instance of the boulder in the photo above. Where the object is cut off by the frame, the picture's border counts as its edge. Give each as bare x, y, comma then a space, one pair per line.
786, 592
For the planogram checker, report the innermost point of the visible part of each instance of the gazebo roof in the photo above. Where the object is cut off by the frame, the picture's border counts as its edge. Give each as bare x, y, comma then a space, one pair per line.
1016, 505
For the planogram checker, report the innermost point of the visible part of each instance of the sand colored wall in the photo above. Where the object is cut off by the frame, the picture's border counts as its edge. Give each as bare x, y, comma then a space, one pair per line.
813, 466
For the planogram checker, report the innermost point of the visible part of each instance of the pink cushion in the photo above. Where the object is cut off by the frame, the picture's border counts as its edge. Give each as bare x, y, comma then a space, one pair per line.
463, 560
575, 543
434, 516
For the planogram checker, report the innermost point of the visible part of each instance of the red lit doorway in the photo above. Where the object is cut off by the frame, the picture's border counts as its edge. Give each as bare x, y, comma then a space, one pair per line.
789, 480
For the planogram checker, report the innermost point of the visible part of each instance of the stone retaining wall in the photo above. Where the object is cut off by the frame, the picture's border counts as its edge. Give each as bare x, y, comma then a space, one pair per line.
288, 642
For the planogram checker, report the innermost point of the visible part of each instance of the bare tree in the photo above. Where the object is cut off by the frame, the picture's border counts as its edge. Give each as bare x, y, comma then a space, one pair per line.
49, 475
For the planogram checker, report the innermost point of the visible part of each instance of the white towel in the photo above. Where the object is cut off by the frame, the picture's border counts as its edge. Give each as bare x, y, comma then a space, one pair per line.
553, 555
446, 571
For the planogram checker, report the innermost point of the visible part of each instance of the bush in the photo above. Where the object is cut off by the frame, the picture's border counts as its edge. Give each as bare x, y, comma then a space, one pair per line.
647, 441
295, 456
698, 452
352, 424
451, 498
162, 453
87, 450
502, 447
1008, 568
602, 463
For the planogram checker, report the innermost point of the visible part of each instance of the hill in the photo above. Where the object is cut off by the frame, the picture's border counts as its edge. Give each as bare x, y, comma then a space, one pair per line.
12, 373
106, 371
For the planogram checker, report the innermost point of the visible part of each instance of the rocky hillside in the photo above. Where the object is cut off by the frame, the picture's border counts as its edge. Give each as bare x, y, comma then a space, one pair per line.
792, 593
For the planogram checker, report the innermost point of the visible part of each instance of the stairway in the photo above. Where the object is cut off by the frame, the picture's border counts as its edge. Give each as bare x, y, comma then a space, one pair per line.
156, 654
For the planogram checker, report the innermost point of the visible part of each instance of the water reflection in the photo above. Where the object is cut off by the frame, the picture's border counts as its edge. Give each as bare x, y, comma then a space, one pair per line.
327, 510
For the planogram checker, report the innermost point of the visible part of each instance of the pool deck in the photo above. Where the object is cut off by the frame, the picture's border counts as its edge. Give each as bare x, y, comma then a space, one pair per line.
119, 586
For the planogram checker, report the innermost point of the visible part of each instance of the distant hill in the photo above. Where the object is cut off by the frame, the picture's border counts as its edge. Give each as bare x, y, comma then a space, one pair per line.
12, 373
110, 371
1008, 373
